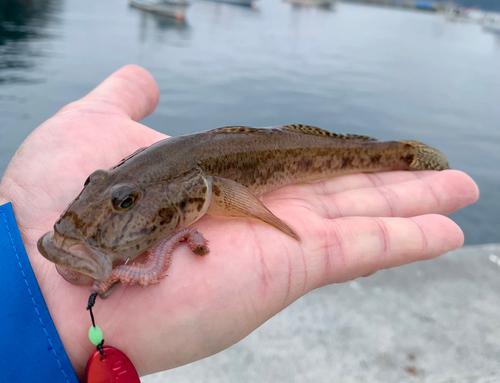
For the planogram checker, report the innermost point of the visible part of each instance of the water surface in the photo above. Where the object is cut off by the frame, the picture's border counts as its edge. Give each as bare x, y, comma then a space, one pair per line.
387, 73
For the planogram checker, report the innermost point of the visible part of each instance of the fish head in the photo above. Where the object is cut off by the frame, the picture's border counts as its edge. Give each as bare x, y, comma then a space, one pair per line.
116, 218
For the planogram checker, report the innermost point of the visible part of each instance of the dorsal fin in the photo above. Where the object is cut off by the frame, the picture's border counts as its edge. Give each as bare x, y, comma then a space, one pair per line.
306, 129
129, 157
236, 129
295, 128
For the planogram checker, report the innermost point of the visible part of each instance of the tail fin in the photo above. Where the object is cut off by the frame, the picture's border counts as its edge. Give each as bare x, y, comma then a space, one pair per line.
427, 158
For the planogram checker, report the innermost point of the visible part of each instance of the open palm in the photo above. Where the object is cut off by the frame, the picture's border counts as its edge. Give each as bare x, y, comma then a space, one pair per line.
350, 226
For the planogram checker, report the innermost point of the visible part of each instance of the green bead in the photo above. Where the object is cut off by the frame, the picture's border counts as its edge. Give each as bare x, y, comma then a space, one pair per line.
95, 335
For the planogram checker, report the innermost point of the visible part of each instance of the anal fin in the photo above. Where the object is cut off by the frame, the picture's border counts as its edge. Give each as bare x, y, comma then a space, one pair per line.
231, 199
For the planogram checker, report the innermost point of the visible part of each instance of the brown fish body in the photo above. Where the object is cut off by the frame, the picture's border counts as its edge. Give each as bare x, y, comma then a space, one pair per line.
164, 188
268, 158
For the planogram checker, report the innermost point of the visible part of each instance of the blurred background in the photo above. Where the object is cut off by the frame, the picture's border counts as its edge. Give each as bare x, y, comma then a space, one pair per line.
381, 71
391, 69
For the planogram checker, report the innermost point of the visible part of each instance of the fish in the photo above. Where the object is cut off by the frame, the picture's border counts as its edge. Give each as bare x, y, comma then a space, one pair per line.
158, 192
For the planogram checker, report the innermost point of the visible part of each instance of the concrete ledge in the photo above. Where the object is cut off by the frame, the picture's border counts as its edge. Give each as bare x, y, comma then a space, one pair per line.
436, 321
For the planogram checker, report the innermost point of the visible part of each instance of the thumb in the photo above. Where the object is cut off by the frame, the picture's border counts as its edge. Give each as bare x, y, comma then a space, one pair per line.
131, 91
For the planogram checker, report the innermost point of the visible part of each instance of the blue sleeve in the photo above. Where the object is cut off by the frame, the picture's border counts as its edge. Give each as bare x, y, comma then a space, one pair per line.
31, 348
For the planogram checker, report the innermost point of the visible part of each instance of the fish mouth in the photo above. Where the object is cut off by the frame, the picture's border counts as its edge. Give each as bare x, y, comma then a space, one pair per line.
77, 262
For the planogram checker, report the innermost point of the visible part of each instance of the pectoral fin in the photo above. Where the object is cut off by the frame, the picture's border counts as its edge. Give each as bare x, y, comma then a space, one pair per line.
232, 199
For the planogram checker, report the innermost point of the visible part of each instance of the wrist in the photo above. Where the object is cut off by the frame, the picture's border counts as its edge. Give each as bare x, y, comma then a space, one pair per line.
3, 200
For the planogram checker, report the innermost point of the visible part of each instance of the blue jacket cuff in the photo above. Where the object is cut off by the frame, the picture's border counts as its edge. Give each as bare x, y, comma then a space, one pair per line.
33, 350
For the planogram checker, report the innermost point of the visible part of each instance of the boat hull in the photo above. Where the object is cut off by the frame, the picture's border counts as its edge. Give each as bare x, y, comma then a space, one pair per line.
175, 9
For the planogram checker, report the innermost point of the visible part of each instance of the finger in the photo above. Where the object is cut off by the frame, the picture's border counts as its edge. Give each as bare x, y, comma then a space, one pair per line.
358, 246
438, 192
131, 91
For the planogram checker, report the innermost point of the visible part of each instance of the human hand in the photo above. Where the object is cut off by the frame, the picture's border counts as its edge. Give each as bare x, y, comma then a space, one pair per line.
350, 226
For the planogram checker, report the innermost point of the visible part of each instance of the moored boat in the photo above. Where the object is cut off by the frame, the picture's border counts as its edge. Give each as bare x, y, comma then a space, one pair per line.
465, 15
492, 27
245, 3
313, 3
170, 8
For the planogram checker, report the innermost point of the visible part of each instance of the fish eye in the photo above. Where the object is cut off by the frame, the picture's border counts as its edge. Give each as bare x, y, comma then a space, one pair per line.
123, 196
127, 202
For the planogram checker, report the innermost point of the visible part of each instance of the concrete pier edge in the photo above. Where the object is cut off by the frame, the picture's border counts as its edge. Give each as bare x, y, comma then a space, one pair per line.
435, 321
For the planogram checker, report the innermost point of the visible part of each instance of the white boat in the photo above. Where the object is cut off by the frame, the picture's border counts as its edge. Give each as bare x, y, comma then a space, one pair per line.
491, 23
245, 3
313, 3
465, 15
174, 8
492, 27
